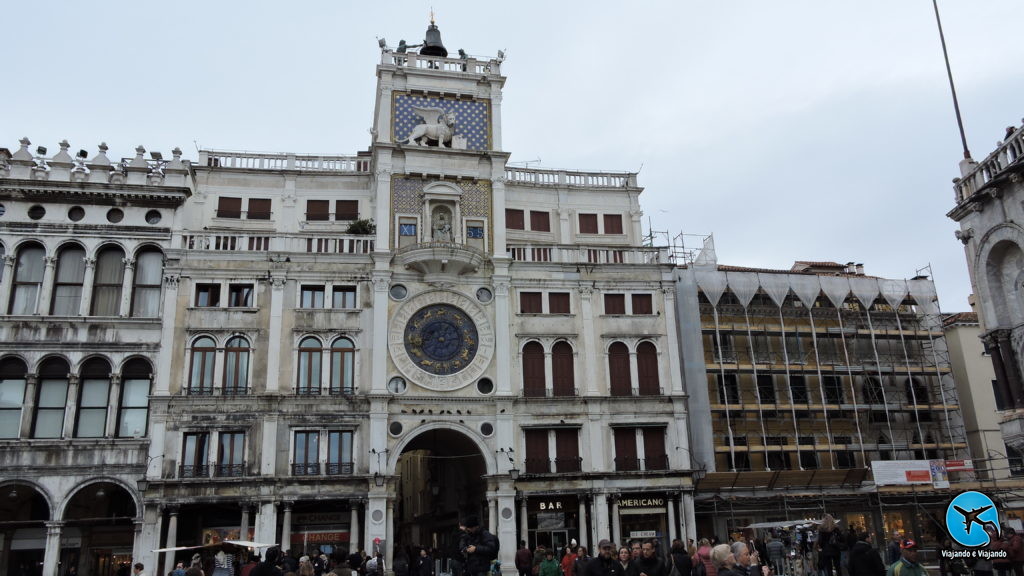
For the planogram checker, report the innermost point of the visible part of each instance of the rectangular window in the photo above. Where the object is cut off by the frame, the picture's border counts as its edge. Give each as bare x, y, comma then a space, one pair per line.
12, 398
766, 388
229, 207
588, 223
240, 295
808, 460
567, 450
798, 390
231, 455
50, 404
346, 210
845, 459
343, 297
339, 452
514, 219
833, 386
625, 450
643, 304
530, 302
778, 461
312, 297
133, 413
762, 351
207, 295
318, 210
614, 303
94, 396
728, 389
613, 223
741, 462
795, 349
540, 221
537, 455
307, 454
259, 209
654, 449
558, 303
722, 348
193, 455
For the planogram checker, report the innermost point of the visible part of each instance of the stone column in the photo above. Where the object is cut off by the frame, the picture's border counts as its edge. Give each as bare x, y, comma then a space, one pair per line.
634, 373
31, 384
616, 522
504, 506
277, 284
268, 455
5, 547
389, 550
169, 313
113, 401
671, 505
601, 515
524, 521
171, 540
584, 533
126, 286
52, 554
6, 281
689, 519
502, 332
243, 529
46, 289
87, 282
71, 411
492, 514
353, 528
266, 523
373, 518
286, 527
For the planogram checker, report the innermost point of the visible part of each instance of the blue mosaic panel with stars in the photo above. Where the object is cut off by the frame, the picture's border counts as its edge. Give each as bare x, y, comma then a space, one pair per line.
472, 118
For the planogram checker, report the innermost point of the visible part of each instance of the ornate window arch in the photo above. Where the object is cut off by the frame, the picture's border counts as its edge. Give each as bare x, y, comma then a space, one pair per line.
237, 358
51, 398
203, 360
93, 398
149, 268
343, 366
620, 382
534, 378
108, 281
563, 377
28, 278
133, 407
13, 375
68, 280
310, 362
648, 373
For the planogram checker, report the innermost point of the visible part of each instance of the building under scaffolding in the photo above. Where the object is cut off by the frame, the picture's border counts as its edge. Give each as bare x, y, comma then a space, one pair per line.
798, 379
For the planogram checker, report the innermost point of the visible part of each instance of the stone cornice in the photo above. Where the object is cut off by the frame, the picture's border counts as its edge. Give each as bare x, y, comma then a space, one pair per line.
93, 193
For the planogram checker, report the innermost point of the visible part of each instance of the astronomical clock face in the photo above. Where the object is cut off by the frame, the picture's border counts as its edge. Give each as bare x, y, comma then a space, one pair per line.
441, 340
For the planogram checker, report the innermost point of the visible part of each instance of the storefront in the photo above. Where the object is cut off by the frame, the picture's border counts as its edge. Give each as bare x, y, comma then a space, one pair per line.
328, 531
643, 517
553, 521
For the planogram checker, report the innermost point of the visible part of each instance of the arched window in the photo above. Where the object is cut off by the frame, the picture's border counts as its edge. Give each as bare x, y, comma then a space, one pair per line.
93, 399
343, 366
51, 398
917, 392
149, 267
28, 279
133, 411
12, 396
67, 284
310, 358
236, 366
534, 382
647, 370
106, 287
563, 378
204, 353
618, 370
884, 448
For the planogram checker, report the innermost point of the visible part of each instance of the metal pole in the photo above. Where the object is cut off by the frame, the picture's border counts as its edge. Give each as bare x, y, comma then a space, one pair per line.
952, 88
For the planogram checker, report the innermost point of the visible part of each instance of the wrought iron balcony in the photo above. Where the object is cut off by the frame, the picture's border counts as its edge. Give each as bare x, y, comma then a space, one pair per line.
192, 471
306, 469
340, 468
568, 464
230, 470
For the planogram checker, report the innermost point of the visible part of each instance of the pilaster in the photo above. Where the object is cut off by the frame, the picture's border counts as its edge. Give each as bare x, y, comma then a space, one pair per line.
277, 284
126, 287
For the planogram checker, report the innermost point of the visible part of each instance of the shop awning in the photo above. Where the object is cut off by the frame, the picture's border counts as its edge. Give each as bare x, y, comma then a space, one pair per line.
242, 543
780, 524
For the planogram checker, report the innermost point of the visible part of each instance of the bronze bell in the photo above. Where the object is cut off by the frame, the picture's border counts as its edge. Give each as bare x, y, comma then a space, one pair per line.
432, 45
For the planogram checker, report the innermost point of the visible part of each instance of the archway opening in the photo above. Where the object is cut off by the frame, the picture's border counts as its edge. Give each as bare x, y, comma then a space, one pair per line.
99, 526
23, 515
440, 482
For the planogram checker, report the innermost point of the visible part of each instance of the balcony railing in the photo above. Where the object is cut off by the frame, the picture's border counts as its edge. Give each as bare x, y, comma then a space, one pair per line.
573, 254
568, 464
199, 390
230, 470
623, 464
538, 466
1008, 153
236, 391
568, 178
306, 469
308, 391
656, 462
343, 391
340, 468
299, 243
282, 161
192, 471
470, 65
561, 392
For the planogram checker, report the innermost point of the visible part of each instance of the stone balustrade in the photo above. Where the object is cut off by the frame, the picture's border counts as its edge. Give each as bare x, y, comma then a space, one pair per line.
570, 179
282, 161
62, 167
1008, 152
574, 254
471, 65
319, 243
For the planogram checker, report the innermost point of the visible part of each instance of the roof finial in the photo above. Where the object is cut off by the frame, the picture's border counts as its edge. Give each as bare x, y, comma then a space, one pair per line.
431, 15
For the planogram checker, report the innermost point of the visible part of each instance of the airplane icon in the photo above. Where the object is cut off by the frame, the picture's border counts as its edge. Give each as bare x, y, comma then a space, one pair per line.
972, 518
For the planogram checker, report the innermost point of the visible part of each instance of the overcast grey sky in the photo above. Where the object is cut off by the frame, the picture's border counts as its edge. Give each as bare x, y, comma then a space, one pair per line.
792, 129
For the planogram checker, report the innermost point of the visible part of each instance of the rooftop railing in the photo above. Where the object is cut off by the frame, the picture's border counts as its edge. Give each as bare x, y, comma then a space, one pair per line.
570, 179
572, 254
470, 65
318, 243
282, 161
1009, 151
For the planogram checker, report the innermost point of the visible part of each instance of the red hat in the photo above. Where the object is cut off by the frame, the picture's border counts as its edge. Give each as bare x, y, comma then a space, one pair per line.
908, 544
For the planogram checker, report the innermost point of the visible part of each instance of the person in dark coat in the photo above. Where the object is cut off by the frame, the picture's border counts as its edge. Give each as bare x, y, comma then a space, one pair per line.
864, 559
478, 546
680, 558
649, 564
524, 559
424, 564
604, 564
269, 565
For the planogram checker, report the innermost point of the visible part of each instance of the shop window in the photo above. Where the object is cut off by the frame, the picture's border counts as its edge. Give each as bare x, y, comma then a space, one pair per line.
648, 380
311, 297
93, 399
642, 304
204, 352
236, 366
339, 452
306, 460
567, 450
240, 295
343, 355
12, 396
766, 388
228, 207
68, 281
530, 302
534, 384
343, 297
558, 303
318, 210
540, 221
28, 279
798, 390
259, 209
149, 269
207, 295
133, 409
614, 304
514, 219
310, 358
613, 223
51, 399
620, 380
563, 378
195, 446
833, 386
537, 456
346, 210
728, 389
588, 223
231, 454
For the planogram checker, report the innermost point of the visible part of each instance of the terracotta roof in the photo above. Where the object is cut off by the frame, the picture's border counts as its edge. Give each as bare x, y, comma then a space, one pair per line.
818, 264
960, 318
727, 268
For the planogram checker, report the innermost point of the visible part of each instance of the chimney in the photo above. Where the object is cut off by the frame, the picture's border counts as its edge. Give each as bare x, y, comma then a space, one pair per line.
860, 269
849, 268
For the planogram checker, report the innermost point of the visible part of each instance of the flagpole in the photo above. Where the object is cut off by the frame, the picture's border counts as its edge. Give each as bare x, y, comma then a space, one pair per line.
952, 88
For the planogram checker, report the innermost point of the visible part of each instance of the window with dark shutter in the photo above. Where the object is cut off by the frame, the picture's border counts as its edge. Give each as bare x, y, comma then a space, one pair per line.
567, 450
533, 370
625, 450
259, 209
540, 221
537, 459
229, 207
318, 210
654, 449
642, 304
530, 302
588, 223
612, 224
618, 370
563, 379
614, 303
558, 303
647, 370
514, 219
346, 210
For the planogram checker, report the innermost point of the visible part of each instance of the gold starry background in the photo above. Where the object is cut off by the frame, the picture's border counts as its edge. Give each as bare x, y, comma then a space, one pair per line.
472, 117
